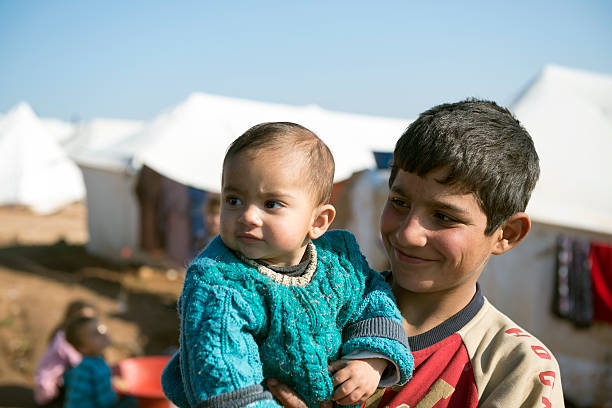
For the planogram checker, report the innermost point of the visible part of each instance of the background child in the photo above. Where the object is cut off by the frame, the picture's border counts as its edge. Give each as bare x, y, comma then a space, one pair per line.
277, 296
461, 179
48, 378
212, 216
89, 383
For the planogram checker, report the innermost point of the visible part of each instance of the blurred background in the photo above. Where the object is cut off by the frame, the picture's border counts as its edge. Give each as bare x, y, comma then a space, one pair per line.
115, 116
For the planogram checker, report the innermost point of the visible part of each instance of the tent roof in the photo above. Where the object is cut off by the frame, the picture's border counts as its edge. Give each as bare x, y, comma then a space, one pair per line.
568, 113
90, 142
35, 171
188, 142
60, 130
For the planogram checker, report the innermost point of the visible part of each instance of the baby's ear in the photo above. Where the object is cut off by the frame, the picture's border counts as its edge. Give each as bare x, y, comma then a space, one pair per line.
322, 219
512, 232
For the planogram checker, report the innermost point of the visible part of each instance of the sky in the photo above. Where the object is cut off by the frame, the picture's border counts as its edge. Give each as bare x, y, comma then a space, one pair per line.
77, 60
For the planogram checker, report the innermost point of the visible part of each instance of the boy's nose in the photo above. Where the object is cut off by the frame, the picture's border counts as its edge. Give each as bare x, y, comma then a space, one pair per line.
411, 232
251, 216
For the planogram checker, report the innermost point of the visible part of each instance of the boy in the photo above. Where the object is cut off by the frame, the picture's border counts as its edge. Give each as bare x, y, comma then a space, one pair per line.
89, 383
461, 178
277, 296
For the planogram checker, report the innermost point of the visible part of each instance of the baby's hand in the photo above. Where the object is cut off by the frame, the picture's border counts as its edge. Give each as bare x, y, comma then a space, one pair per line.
355, 380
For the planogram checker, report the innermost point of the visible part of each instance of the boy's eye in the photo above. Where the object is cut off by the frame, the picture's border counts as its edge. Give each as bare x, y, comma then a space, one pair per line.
446, 218
233, 201
273, 204
398, 202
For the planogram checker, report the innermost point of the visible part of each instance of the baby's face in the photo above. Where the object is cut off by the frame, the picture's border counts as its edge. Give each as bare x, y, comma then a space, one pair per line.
267, 209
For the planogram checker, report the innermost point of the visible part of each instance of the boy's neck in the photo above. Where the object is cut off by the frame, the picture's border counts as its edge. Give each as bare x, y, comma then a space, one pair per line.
422, 312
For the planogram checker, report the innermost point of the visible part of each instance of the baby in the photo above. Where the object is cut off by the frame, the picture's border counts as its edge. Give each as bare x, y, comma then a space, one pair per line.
277, 295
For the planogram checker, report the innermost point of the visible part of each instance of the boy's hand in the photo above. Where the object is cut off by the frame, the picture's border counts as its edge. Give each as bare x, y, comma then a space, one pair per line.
355, 381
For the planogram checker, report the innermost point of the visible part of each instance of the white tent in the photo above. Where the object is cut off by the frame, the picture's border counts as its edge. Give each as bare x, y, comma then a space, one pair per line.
188, 142
91, 143
35, 171
113, 221
569, 115
60, 130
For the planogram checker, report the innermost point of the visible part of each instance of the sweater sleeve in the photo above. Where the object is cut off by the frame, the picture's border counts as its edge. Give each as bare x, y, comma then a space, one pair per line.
376, 324
218, 359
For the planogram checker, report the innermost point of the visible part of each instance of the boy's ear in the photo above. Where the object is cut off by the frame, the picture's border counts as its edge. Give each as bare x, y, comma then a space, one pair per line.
512, 232
323, 217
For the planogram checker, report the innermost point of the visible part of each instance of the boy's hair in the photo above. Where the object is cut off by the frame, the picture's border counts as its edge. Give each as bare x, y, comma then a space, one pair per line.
485, 149
74, 332
318, 161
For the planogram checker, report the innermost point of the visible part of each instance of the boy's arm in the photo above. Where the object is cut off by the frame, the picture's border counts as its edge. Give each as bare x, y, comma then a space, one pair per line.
218, 358
511, 367
375, 324
526, 389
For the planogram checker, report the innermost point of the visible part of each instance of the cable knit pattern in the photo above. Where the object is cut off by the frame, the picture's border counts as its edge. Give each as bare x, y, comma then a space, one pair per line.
239, 325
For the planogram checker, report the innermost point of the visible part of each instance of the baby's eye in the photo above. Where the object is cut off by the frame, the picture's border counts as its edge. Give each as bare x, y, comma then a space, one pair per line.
233, 201
273, 204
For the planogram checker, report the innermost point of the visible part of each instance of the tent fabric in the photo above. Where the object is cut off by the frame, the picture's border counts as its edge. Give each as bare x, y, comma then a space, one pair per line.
35, 170
60, 130
90, 142
112, 212
188, 142
568, 113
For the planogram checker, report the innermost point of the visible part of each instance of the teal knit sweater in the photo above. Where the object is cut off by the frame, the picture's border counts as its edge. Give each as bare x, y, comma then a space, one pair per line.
241, 322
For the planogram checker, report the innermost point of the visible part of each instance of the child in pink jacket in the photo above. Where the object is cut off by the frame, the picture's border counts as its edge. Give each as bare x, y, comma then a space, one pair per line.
59, 356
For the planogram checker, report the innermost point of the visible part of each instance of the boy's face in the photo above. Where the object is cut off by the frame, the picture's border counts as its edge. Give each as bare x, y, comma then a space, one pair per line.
93, 339
434, 236
267, 210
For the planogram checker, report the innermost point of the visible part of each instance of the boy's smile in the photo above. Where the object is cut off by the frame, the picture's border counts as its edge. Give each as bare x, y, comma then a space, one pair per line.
433, 235
267, 209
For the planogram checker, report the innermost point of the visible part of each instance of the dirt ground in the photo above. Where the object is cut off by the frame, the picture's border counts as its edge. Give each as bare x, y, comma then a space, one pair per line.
44, 266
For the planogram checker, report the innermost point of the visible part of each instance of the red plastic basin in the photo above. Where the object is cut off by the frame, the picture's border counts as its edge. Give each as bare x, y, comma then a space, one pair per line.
142, 376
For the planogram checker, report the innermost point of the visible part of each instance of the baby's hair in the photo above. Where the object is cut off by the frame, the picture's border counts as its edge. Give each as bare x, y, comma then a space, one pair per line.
74, 330
287, 136
483, 147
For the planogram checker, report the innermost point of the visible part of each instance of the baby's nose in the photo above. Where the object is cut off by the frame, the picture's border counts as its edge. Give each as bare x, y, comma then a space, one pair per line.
251, 216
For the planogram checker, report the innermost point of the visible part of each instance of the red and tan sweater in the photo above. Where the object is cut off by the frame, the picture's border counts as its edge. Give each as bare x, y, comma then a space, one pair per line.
477, 358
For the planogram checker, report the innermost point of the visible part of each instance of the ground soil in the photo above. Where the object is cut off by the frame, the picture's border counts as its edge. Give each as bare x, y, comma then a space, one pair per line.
44, 265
